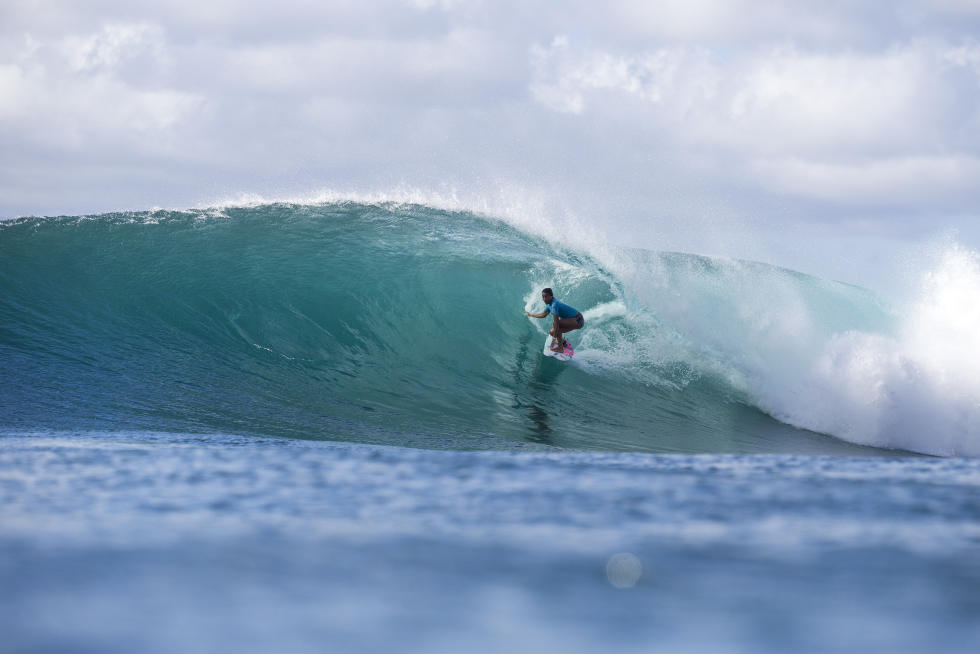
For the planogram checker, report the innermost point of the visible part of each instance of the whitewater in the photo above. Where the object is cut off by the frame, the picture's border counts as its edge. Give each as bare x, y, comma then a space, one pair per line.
298, 426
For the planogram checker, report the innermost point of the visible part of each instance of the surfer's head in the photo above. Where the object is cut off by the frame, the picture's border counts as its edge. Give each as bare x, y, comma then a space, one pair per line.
547, 296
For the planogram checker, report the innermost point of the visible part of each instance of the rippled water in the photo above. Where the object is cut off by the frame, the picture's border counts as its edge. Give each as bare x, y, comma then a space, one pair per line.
155, 542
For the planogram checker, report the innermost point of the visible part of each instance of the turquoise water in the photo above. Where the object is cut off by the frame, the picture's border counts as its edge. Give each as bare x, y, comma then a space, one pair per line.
370, 323
298, 427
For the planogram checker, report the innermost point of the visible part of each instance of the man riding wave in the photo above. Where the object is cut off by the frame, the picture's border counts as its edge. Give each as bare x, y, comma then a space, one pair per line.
566, 319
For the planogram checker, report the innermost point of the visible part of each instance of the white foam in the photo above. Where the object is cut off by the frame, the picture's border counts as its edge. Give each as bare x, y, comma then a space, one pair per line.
918, 389
537, 213
816, 354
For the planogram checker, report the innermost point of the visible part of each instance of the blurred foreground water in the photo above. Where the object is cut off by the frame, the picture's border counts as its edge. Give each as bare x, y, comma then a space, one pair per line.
157, 542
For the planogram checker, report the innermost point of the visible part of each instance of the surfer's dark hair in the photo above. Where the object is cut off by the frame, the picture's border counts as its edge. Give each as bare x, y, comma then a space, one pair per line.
547, 291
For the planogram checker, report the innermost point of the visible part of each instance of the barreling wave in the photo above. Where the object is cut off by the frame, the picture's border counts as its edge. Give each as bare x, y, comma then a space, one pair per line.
404, 324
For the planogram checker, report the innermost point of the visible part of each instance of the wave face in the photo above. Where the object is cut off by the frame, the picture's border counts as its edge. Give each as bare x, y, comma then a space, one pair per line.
404, 324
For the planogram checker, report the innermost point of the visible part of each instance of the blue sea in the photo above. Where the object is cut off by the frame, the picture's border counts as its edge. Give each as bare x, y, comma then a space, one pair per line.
330, 427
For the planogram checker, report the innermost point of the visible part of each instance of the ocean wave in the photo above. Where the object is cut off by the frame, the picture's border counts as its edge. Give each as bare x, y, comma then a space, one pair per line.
402, 323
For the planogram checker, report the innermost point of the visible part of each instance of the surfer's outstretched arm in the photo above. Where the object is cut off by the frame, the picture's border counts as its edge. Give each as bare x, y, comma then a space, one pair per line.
536, 315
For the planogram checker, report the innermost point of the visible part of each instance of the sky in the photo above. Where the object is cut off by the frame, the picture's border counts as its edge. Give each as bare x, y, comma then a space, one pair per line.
821, 135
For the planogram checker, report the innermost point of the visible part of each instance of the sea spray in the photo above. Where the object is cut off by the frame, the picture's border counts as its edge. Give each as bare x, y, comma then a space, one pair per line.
918, 389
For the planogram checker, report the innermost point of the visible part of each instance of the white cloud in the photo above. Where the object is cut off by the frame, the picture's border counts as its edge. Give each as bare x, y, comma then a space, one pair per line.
413, 70
967, 56
563, 79
843, 126
105, 50
69, 94
12, 91
889, 181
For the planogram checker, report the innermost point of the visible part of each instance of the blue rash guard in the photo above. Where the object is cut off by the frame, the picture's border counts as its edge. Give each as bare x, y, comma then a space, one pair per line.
562, 310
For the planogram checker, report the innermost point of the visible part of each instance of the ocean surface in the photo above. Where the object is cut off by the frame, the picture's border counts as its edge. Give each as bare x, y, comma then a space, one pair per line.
299, 427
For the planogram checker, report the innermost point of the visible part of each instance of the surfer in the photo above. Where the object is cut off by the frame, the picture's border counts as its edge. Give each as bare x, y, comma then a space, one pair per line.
566, 318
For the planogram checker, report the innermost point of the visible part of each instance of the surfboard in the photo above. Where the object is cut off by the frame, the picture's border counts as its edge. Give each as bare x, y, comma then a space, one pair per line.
564, 355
